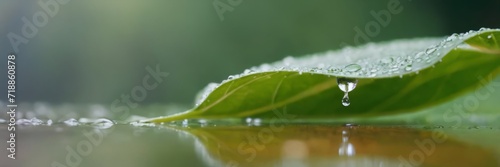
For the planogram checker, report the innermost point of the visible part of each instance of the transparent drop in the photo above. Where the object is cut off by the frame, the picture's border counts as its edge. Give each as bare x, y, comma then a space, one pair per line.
429, 51
185, 122
387, 60
71, 122
345, 100
352, 67
452, 37
248, 71
248, 120
420, 54
408, 68
103, 123
346, 85
32, 121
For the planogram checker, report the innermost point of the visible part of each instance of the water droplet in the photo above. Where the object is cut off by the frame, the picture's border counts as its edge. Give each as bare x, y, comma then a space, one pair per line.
419, 54
248, 71
387, 60
248, 120
430, 50
408, 68
346, 85
452, 37
103, 123
349, 125
345, 100
490, 36
33, 121
140, 124
257, 122
203, 122
352, 67
71, 122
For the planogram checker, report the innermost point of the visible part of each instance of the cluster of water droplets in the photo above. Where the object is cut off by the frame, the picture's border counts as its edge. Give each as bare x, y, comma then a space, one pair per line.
42, 114
101, 123
33, 121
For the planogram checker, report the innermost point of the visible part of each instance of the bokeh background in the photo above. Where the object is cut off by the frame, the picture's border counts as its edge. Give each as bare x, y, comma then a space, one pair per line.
93, 51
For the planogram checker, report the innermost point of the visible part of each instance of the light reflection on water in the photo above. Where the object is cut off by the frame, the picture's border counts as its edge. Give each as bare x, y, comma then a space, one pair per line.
96, 141
242, 145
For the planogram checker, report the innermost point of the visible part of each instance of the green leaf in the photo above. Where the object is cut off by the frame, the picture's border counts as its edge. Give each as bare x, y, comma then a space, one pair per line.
393, 77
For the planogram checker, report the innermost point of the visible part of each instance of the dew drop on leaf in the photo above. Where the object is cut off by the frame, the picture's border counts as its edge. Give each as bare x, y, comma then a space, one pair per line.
352, 67
408, 68
431, 50
387, 60
346, 85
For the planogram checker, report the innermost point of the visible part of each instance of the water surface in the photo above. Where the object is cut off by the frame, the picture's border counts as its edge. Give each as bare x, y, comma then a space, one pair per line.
124, 145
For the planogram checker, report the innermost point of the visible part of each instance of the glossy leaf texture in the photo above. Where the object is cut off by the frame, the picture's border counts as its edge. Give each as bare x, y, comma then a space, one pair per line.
394, 77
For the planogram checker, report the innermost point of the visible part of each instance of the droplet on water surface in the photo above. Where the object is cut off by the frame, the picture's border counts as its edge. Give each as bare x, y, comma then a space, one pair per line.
346, 85
71, 122
103, 123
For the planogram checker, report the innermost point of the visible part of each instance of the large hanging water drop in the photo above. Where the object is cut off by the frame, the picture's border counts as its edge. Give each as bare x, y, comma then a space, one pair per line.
346, 85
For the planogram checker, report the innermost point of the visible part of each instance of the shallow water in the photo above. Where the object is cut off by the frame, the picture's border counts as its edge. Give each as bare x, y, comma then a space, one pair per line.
125, 145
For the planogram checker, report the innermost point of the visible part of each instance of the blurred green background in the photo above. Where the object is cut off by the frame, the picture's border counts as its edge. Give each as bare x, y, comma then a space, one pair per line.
94, 51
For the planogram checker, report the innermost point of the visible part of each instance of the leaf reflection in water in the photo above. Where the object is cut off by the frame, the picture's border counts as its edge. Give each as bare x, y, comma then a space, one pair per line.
329, 145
